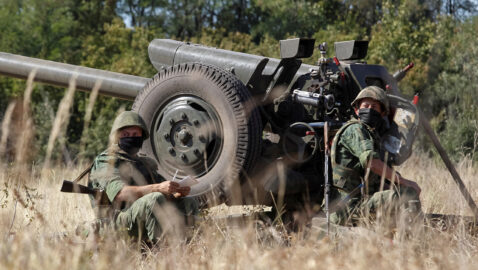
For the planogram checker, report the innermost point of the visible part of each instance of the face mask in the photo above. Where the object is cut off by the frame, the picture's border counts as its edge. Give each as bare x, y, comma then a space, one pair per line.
373, 119
130, 145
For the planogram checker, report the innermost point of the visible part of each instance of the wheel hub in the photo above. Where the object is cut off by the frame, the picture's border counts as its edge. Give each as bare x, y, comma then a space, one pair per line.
184, 136
187, 132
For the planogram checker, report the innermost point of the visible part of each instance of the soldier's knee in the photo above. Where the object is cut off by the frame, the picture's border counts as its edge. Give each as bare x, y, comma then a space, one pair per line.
145, 204
382, 199
153, 198
157, 197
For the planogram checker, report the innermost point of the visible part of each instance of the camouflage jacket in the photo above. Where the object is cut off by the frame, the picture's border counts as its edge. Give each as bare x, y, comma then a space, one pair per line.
354, 145
113, 169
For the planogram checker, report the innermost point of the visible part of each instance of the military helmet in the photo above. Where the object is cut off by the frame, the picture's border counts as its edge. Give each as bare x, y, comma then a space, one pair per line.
373, 92
128, 119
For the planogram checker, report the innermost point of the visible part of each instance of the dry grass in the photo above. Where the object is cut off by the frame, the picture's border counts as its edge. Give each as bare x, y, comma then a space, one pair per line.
440, 194
38, 224
42, 234
61, 121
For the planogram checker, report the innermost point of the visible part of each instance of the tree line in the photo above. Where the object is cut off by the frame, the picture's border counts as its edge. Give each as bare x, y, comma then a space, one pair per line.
438, 36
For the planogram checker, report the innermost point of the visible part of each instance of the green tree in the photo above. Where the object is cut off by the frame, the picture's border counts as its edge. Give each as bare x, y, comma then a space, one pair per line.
186, 19
54, 30
283, 18
459, 8
453, 98
403, 35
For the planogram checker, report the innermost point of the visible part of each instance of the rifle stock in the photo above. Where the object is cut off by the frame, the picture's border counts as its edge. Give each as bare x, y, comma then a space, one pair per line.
72, 187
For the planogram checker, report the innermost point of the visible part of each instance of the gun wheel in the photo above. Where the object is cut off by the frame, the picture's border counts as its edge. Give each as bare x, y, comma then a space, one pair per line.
203, 123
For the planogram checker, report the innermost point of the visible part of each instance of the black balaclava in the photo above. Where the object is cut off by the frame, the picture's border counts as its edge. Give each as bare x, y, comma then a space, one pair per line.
373, 119
131, 145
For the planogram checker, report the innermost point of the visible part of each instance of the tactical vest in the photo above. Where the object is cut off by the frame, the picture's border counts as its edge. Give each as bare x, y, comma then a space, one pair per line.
344, 178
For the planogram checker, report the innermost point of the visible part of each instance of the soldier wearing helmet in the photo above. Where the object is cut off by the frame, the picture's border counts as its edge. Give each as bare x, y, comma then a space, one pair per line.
357, 166
138, 196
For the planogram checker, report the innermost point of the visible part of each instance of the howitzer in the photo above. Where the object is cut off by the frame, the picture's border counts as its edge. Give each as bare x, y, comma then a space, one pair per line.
223, 117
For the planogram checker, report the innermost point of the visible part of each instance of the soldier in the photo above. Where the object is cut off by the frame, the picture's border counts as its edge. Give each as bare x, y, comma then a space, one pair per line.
356, 148
139, 198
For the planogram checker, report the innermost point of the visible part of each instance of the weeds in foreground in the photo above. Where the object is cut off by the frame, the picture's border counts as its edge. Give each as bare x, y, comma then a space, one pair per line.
38, 228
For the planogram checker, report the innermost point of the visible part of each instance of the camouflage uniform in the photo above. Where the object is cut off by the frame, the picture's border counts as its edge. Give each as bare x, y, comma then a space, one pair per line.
114, 169
354, 145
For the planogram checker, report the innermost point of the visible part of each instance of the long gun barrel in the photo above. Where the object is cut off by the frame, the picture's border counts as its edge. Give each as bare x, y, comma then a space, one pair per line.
167, 52
257, 72
112, 83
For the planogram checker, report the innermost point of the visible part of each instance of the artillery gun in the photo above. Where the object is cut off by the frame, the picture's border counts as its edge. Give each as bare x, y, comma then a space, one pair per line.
245, 126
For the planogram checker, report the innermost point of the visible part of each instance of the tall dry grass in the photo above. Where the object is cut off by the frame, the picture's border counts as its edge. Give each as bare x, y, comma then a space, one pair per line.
88, 115
24, 143
7, 118
38, 230
440, 194
39, 233
38, 224
61, 121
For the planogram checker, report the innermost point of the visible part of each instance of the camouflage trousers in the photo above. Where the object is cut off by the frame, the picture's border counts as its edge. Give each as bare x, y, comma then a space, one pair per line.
386, 203
153, 215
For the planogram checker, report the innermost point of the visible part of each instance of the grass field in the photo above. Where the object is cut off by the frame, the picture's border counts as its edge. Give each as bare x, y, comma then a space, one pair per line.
37, 226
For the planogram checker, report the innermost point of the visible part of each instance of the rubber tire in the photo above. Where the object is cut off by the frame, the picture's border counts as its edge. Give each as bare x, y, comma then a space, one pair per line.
241, 120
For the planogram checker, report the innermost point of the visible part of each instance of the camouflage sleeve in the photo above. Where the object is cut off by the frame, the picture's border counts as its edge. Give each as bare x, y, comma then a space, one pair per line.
358, 140
104, 175
152, 168
113, 188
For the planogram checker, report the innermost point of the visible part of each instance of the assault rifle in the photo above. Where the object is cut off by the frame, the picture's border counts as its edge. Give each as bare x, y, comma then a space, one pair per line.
98, 194
74, 187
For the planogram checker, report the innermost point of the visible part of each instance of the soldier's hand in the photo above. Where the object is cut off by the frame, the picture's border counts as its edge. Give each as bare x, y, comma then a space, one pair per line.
182, 191
166, 187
